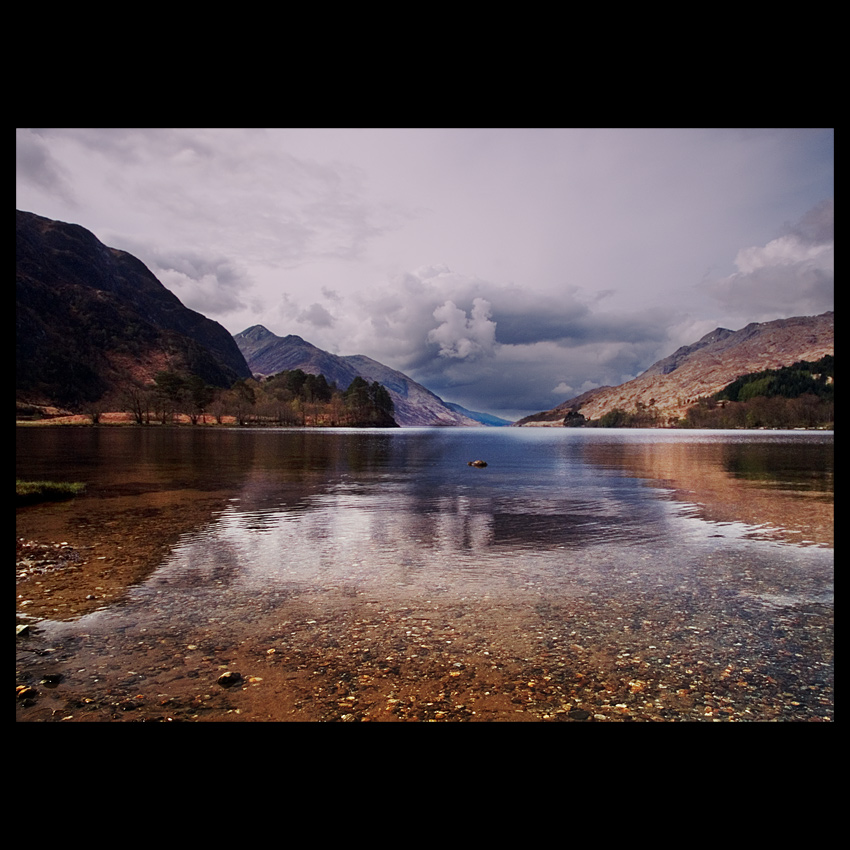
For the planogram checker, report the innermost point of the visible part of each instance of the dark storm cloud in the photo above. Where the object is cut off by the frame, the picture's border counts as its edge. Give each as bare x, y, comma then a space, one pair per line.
500, 348
514, 328
492, 350
525, 318
574, 325
522, 379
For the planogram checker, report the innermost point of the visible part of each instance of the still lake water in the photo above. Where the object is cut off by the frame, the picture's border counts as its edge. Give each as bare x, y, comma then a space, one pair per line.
727, 527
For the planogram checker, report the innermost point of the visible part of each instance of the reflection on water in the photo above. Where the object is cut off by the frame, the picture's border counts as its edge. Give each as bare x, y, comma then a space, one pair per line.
318, 506
778, 484
657, 517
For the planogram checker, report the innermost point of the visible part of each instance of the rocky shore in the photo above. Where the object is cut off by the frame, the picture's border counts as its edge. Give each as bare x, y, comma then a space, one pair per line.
345, 655
73, 558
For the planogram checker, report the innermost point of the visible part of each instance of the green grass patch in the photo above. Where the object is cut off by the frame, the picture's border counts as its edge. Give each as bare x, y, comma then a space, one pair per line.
30, 492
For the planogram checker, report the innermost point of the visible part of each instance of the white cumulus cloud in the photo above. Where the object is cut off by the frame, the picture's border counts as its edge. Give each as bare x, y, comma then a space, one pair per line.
462, 337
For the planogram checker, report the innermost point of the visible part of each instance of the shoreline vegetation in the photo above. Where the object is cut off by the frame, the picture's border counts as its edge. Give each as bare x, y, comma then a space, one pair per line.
289, 398
711, 416
32, 492
122, 419
797, 397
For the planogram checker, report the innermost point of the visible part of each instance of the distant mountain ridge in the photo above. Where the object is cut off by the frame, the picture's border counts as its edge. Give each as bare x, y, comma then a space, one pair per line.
671, 385
267, 354
483, 418
91, 319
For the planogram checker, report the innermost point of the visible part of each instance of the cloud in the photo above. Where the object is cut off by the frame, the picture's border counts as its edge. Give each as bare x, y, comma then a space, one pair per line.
817, 226
445, 330
461, 337
526, 316
204, 282
793, 274
37, 167
317, 316
234, 191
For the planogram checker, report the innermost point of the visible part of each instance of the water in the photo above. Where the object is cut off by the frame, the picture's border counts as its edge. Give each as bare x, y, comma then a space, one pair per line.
628, 540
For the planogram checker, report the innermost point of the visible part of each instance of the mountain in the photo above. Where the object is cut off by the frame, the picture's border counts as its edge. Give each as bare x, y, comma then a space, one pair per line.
268, 354
482, 418
91, 319
673, 384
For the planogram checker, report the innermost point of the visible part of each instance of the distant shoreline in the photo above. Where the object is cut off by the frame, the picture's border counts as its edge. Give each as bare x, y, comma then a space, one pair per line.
124, 420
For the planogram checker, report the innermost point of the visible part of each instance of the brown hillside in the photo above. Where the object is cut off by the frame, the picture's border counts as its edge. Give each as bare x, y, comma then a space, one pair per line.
673, 384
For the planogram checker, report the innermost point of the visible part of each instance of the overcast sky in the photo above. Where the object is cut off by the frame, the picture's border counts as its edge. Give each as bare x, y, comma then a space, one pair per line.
505, 269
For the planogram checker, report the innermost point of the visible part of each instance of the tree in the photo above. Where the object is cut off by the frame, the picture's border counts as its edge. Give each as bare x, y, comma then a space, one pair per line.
244, 398
370, 404
200, 396
316, 388
574, 419
138, 401
171, 394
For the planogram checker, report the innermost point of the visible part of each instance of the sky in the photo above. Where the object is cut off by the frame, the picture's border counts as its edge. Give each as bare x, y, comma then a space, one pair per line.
507, 270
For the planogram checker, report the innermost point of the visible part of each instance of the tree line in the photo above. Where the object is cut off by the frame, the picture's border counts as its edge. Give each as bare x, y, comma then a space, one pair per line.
798, 396
801, 378
291, 397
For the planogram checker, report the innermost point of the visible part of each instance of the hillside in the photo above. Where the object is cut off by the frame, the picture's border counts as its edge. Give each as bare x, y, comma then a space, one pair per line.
268, 354
91, 319
671, 385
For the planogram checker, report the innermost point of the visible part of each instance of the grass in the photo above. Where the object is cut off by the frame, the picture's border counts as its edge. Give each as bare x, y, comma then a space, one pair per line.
30, 492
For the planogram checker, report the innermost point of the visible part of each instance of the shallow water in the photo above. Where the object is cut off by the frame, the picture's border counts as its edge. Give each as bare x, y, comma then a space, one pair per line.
713, 546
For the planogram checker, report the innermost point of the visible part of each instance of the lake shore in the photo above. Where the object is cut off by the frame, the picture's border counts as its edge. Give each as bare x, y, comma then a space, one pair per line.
72, 559
119, 419
342, 654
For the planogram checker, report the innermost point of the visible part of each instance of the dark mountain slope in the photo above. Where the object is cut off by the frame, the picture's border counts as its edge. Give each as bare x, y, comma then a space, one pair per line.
90, 319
